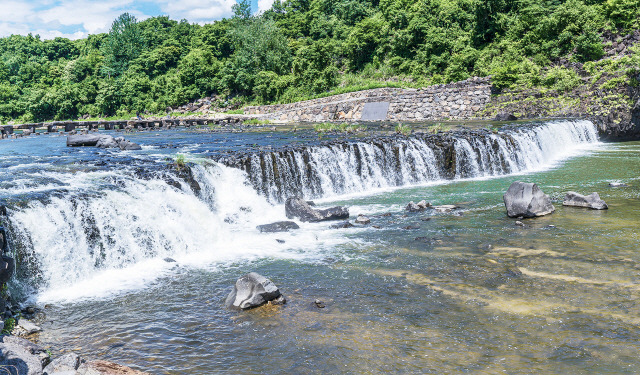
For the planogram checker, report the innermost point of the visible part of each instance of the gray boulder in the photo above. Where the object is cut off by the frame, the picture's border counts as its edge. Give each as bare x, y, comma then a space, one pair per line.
253, 290
416, 207
66, 363
28, 326
280, 226
592, 201
298, 208
83, 140
107, 141
129, 146
333, 213
22, 356
526, 200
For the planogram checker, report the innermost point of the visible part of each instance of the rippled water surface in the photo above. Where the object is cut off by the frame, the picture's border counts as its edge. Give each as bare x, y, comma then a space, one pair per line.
460, 292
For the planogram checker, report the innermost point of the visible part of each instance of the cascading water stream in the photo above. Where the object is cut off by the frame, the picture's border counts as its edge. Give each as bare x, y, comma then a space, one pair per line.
343, 168
114, 231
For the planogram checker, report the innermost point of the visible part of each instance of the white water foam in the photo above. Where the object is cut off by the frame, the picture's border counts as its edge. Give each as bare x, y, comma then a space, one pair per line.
116, 240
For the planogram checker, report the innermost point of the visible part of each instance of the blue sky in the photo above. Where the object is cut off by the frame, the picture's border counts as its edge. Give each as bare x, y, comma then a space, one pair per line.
77, 18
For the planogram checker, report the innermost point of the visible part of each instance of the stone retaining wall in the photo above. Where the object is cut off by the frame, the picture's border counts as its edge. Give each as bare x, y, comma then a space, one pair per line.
455, 101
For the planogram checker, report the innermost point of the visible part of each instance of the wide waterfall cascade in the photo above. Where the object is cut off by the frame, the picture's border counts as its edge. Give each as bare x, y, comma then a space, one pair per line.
356, 167
112, 230
101, 242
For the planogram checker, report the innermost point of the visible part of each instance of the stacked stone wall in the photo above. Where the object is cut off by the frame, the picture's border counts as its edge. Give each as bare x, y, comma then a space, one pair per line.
459, 100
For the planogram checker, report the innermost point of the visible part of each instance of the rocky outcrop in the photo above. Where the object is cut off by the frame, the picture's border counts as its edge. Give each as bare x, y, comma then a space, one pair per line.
592, 201
105, 368
417, 207
22, 356
67, 363
526, 200
253, 290
103, 141
280, 226
296, 207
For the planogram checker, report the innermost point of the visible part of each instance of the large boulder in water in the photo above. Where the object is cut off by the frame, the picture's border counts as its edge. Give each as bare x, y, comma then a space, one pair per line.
526, 200
107, 141
592, 201
280, 226
298, 207
79, 140
253, 290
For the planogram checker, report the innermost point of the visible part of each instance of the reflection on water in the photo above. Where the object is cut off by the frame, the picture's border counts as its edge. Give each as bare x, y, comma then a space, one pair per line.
465, 292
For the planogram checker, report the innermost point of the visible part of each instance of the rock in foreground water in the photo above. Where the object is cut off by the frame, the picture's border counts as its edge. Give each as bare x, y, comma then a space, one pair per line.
280, 226
526, 200
298, 207
253, 290
592, 201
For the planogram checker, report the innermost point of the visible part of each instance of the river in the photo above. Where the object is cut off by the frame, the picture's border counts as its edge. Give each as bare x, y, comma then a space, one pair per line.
429, 292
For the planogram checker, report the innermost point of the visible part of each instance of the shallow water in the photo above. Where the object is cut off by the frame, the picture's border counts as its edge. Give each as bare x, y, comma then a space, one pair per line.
446, 297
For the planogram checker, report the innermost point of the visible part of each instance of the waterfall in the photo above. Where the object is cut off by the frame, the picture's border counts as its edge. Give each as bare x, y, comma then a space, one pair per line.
93, 243
342, 168
109, 230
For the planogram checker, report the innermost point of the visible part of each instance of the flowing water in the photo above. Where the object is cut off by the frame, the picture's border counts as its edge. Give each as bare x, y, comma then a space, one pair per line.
429, 292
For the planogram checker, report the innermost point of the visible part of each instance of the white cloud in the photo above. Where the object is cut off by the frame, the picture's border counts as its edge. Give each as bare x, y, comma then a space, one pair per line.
77, 18
197, 10
264, 5
95, 17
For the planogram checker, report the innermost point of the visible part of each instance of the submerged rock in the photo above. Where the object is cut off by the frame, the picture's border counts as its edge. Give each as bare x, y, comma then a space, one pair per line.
445, 208
343, 225
280, 226
416, 207
618, 184
253, 290
526, 200
592, 201
361, 219
298, 208
106, 368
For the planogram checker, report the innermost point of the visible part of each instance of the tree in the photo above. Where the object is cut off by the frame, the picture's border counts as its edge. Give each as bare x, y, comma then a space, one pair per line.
123, 44
242, 10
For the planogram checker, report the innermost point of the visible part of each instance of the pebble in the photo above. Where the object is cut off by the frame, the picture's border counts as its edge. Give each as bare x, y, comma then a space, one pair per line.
319, 304
519, 223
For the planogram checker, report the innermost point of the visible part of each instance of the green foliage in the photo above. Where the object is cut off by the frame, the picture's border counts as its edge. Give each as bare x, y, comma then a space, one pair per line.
9, 325
181, 161
403, 129
304, 49
123, 44
561, 79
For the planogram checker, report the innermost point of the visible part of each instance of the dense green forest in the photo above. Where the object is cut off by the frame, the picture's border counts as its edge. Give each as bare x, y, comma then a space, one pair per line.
299, 49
